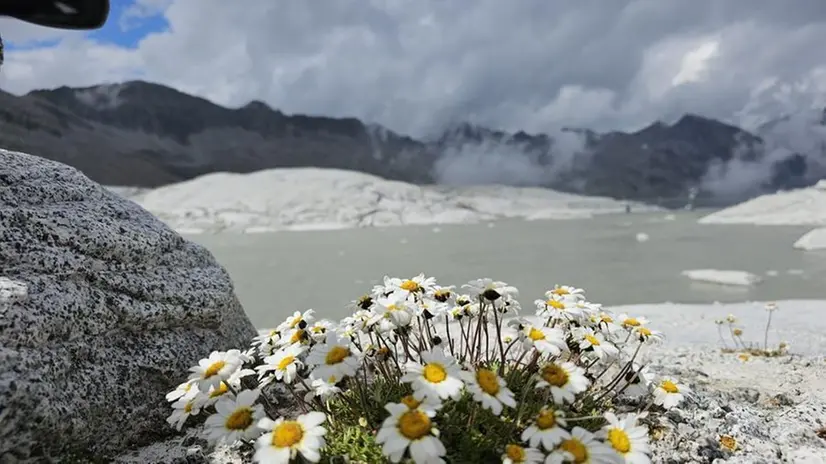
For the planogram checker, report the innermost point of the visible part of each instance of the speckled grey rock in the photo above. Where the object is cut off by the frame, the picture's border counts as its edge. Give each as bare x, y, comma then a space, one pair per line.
103, 310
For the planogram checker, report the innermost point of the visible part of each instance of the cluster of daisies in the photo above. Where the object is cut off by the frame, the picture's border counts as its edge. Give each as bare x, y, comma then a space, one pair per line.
575, 361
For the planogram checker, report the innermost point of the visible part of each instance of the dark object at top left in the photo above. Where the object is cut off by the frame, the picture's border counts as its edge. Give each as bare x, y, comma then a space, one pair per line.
58, 14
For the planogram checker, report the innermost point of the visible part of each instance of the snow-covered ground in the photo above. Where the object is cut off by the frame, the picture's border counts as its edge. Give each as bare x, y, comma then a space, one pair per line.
800, 323
795, 207
313, 198
812, 240
723, 277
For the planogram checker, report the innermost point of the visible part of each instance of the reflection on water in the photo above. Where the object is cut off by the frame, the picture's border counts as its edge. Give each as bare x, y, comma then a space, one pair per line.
277, 273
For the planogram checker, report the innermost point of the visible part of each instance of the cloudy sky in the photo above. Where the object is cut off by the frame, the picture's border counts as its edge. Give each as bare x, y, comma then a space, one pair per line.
418, 65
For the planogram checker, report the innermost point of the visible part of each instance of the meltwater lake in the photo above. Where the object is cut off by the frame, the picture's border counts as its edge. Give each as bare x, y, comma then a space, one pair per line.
281, 272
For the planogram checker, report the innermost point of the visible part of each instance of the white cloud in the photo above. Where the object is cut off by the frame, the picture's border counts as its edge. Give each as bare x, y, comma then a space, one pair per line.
416, 65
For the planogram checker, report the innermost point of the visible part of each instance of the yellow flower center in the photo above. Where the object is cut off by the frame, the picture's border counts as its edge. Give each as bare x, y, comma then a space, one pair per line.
631, 322
441, 295
546, 419
414, 424
592, 339
554, 375
669, 386
515, 453
488, 381
737, 332
296, 320
392, 307
644, 332
241, 419
410, 286
336, 354
556, 304
214, 368
287, 434
728, 442
536, 334
434, 372
222, 388
284, 363
576, 448
188, 407
297, 336
318, 329
411, 402
606, 319
619, 440
561, 291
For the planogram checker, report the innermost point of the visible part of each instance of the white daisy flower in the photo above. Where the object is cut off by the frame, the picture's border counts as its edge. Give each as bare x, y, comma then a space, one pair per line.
438, 376
565, 380
286, 438
295, 321
605, 322
319, 329
509, 305
410, 429
638, 380
489, 289
267, 341
398, 310
583, 447
646, 335
445, 295
216, 393
362, 303
234, 379
629, 323
356, 323
264, 336
596, 342
559, 308
211, 371
180, 390
668, 393
429, 405
235, 419
515, 454
429, 309
333, 358
297, 336
281, 366
547, 429
587, 309
488, 389
189, 404
547, 340
566, 291
323, 388
417, 284
627, 438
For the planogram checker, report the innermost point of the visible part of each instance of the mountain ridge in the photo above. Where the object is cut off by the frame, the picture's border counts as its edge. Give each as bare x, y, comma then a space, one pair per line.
147, 135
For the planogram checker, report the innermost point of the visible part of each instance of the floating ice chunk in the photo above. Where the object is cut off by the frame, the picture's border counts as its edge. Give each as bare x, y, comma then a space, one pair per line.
812, 240
723, 277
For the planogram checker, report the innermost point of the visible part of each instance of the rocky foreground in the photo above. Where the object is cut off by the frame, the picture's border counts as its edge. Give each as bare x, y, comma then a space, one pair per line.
773, 408
102, 308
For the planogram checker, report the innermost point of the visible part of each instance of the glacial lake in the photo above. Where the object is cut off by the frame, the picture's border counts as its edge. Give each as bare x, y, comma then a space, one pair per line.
278, 273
